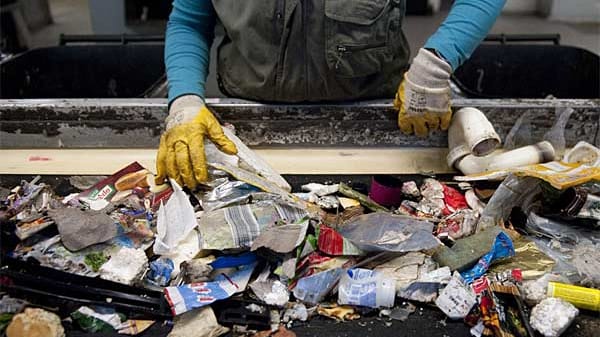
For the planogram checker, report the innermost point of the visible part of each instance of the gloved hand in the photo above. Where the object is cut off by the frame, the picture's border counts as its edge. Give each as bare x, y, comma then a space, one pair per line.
181, 152
423, 97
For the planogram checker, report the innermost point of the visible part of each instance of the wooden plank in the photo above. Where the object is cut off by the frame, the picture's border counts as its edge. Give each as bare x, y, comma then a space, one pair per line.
338, 161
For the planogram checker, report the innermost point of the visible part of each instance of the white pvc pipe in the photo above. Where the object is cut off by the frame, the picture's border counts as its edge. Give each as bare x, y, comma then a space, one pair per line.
470, 133
472, 139
539, 153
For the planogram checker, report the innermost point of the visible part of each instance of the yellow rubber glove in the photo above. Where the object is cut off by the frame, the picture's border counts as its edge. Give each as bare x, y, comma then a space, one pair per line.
423, 97
181, 152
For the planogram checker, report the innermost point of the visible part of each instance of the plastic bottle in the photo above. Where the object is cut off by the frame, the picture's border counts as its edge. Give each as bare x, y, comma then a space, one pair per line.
367, 288
313, 289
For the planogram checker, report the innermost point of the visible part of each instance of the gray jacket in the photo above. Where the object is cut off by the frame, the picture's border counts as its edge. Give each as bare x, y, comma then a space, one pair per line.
311, 50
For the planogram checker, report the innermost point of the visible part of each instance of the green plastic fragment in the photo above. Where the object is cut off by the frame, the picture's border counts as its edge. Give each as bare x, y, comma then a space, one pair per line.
95, 260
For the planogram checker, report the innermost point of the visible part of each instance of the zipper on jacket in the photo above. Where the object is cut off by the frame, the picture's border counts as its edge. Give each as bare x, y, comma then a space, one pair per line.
284, 31
343, 49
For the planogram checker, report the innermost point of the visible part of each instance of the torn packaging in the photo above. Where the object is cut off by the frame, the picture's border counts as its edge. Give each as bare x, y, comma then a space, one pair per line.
176, 219
333, 243
272, 292
407, 268
316, 262
226, 194
335, 219
466, 251
386, 232
21, 198
160, 271
134, 175
282, 239
52, 253
459, 224
425, 288
457, 299
502, 248
28, 228
238, 226
328, 202
514, 320
195, 295
453, 200
254, 180
251, 161
528, 257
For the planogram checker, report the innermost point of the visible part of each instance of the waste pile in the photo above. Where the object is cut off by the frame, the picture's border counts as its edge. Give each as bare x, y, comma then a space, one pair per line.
510, 249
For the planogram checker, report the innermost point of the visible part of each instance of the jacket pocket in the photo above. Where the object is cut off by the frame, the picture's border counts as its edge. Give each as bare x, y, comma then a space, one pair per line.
358, 35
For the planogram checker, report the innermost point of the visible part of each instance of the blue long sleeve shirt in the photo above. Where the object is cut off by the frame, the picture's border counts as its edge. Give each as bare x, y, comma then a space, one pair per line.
190, 33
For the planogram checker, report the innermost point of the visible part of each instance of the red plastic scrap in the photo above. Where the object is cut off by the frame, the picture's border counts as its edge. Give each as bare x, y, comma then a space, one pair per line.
305, 266
454, 200
330, 242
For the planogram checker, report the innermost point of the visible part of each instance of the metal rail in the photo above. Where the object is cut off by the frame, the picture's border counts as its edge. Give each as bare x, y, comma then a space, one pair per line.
138, 123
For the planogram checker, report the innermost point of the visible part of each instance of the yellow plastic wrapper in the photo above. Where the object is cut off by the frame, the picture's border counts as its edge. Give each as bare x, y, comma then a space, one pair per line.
532, 261
558, 174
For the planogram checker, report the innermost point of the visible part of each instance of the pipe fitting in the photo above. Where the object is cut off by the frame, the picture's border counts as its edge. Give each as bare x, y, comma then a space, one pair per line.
472, 139
470, 133
527, 155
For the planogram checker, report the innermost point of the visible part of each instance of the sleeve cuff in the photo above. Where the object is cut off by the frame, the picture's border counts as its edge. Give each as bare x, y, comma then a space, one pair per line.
178, 91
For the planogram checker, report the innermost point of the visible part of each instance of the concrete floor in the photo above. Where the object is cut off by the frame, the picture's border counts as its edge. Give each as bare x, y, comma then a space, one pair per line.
72, 16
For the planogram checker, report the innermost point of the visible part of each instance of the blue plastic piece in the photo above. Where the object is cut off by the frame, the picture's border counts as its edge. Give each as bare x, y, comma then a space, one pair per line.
160, 271
231, 261
502, 248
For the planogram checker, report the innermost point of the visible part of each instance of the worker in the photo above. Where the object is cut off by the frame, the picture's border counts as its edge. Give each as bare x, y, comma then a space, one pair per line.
306, 51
